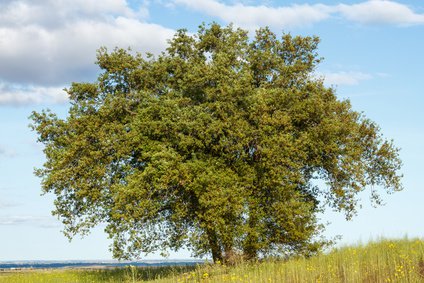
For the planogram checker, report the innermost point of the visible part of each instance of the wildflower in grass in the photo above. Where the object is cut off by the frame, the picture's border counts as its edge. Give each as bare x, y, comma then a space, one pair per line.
310, 268
400, 272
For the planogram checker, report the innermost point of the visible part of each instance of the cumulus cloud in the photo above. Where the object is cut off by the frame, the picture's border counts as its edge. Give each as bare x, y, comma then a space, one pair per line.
47, 44
36, 55
24, 95
51, 43
254, 16
57, 13
345, 78
249, 16
381, 12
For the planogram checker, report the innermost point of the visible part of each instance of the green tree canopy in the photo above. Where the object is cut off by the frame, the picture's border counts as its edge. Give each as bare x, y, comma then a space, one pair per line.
214, 145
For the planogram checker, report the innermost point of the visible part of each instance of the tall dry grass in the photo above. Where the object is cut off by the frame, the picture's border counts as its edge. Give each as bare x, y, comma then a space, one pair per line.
380, 261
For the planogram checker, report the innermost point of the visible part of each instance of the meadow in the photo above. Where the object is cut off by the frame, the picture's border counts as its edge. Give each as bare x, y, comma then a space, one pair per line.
379, 261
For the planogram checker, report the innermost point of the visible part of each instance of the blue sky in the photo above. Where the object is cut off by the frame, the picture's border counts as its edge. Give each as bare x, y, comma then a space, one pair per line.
373, 56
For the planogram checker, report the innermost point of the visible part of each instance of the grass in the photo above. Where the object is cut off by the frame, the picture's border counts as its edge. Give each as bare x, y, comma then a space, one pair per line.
115, 275
381, 261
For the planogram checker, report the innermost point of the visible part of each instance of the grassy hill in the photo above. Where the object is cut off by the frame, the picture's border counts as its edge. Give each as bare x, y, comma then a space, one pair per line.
381, 261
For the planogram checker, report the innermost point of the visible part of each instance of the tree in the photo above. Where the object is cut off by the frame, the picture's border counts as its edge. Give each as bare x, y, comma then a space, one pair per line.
216, 145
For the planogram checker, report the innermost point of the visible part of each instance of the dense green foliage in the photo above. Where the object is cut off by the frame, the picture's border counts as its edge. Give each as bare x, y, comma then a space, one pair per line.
214, 145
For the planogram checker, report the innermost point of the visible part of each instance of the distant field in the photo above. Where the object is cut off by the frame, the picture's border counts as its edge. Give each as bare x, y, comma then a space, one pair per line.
382, 261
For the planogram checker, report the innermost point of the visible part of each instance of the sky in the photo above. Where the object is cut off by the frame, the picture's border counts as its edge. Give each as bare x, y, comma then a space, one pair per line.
373, 56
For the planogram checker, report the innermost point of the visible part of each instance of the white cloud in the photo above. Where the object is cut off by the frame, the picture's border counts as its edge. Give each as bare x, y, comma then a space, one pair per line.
381, 12
47, 44
32, 54
251, 17
24, 95
56, 13
54, 42
345, 78
38, 221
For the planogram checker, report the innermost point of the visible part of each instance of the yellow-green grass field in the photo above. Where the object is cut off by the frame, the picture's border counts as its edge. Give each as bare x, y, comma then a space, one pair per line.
380, 261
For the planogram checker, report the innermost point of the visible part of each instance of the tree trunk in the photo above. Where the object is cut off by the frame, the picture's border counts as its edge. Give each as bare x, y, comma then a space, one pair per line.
250, 251
250, 247
230, 256
214, 246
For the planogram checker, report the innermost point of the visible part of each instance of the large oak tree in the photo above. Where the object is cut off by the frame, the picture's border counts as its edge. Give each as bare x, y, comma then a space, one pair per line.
216, 145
